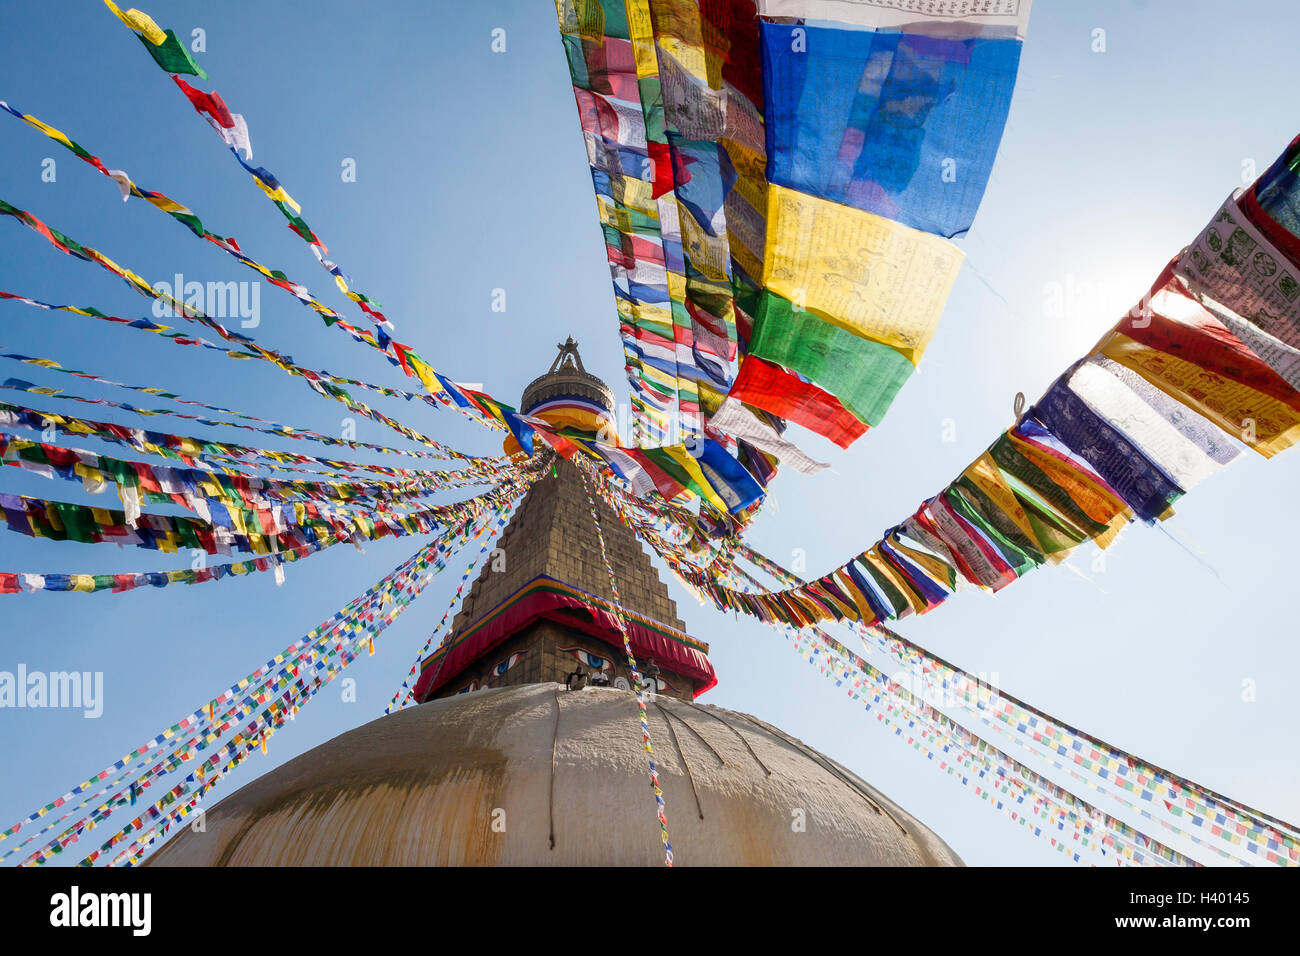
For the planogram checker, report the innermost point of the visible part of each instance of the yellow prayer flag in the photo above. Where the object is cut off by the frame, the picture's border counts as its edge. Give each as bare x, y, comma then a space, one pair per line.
656, 375
710, 398
751, 172
166, 205
424, 372
984, 473
745, 255
648, 314
679, 454
48, 130
928, 563
140, 22
691, 57
1260, 421
633, 193
612, 216
676, 286
278, 194
873, 557
865, 611
1098, 503
640, 29
867, 274
711, 255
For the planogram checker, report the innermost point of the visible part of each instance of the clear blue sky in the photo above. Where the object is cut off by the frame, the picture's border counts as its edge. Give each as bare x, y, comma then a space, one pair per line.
471, 176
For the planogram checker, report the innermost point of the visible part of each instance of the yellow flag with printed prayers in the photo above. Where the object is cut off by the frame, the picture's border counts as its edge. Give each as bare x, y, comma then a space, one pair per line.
985, 475
869, 275
1260, 421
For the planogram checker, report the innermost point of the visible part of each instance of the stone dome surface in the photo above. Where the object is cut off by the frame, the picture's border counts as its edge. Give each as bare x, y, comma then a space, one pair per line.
537, 775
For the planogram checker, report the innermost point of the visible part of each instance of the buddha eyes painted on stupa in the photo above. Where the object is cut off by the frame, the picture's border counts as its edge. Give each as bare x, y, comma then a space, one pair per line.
499, 669
588, 659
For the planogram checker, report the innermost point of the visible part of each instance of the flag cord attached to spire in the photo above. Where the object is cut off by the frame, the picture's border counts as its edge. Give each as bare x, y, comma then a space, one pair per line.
636, 675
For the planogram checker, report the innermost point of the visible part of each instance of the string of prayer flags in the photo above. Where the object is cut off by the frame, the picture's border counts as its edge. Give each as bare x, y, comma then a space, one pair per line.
1104, 767
1199, 368
404, 694
398, 354
780, 193
286, 683
273, 427
210, 455
1223, 826
322, 382
281, 431
27, 582
390, 603
195, 723
1229, 830
231, 528
951, 741
197, 490
233, 130
493, 413
255, 351
668, 137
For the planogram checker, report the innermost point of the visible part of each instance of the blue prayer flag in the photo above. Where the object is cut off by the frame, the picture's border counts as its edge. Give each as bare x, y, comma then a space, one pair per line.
900, 125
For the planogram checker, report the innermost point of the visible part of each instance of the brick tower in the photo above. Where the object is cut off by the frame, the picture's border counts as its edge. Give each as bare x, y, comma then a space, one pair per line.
542, 607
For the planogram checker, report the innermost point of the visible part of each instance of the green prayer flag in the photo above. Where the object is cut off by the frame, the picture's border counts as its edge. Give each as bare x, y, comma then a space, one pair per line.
897, 600
993, 519
1011, 553
172, 56
864, 375
1012, 463
78, 521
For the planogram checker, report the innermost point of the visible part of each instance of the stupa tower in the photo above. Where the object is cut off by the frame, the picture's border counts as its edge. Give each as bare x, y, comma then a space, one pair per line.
542, 608
503, 764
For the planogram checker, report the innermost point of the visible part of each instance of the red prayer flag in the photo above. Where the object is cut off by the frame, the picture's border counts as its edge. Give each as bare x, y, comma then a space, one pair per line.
1170, 320
210, 103
661, 157
771, 388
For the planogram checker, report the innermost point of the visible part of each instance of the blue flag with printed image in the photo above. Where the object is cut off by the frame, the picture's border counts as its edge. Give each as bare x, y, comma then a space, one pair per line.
900, 125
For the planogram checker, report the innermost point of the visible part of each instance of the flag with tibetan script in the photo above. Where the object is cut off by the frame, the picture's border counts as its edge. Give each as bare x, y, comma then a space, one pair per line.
783, 192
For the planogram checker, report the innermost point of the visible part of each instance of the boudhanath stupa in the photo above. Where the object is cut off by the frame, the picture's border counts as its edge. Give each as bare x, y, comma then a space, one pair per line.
526, 747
